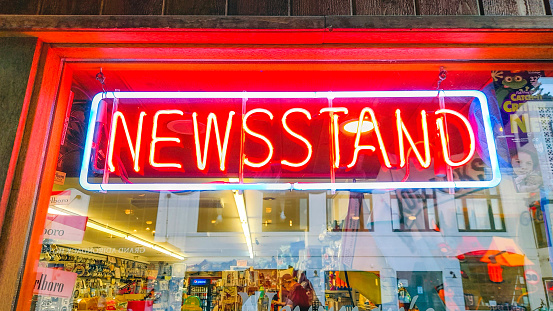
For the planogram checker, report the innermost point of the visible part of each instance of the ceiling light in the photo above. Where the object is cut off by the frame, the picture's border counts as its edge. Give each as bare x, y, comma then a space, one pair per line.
90, 223
117, 233
139, 241
163, 250
149, 222
241, 207
56, 211
148, 228
412, 217
351, 126
106, 229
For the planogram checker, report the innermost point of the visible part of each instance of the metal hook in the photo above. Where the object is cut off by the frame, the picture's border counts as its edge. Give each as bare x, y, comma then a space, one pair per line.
102, 78
441, 76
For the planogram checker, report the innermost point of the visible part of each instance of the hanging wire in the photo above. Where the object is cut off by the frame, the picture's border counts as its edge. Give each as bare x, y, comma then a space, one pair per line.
441, 76
102, 78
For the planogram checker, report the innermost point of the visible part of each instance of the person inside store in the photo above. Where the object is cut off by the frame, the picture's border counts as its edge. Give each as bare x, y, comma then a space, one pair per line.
297, 295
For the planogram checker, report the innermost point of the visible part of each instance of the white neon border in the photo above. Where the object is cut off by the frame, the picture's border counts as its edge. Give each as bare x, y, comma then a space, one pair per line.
496, 174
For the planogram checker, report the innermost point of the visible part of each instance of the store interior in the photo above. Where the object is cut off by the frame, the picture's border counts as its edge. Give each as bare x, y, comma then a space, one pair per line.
192, 253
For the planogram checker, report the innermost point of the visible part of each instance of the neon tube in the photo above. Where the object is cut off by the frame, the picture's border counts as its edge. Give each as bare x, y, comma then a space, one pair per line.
135, 153
444, 137
297, 136
334, 128
358, 147
156, 139
257, 135
402, 130
212, 119
489, 139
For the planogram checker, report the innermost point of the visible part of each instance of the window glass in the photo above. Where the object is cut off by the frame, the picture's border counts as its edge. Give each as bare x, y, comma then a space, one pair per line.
285, 212
349, 212
414, 210
481, 210
259, 217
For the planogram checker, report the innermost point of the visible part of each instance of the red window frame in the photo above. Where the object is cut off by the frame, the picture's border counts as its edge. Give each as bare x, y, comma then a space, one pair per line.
65, 50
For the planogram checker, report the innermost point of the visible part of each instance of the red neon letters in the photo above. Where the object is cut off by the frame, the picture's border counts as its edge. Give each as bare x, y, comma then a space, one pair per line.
297, 136
368, 147
402, 131
135, 152
259, 136
445, 139
407, 143
212, 119
156, 140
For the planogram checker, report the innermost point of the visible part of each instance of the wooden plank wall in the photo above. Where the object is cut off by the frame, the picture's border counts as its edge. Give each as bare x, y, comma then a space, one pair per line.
277, 7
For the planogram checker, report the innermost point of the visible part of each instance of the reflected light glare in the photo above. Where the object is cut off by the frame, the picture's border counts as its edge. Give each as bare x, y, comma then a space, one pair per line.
351, 127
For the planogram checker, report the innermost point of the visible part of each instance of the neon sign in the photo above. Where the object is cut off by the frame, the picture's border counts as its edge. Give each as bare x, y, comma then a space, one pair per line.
309, 140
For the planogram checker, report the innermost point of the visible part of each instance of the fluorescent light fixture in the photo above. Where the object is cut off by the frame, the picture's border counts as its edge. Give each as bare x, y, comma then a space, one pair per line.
109, 230
106, 229
57, 211
154, 247
241, 207
163, 250
139, 241
489, 140
90, 223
